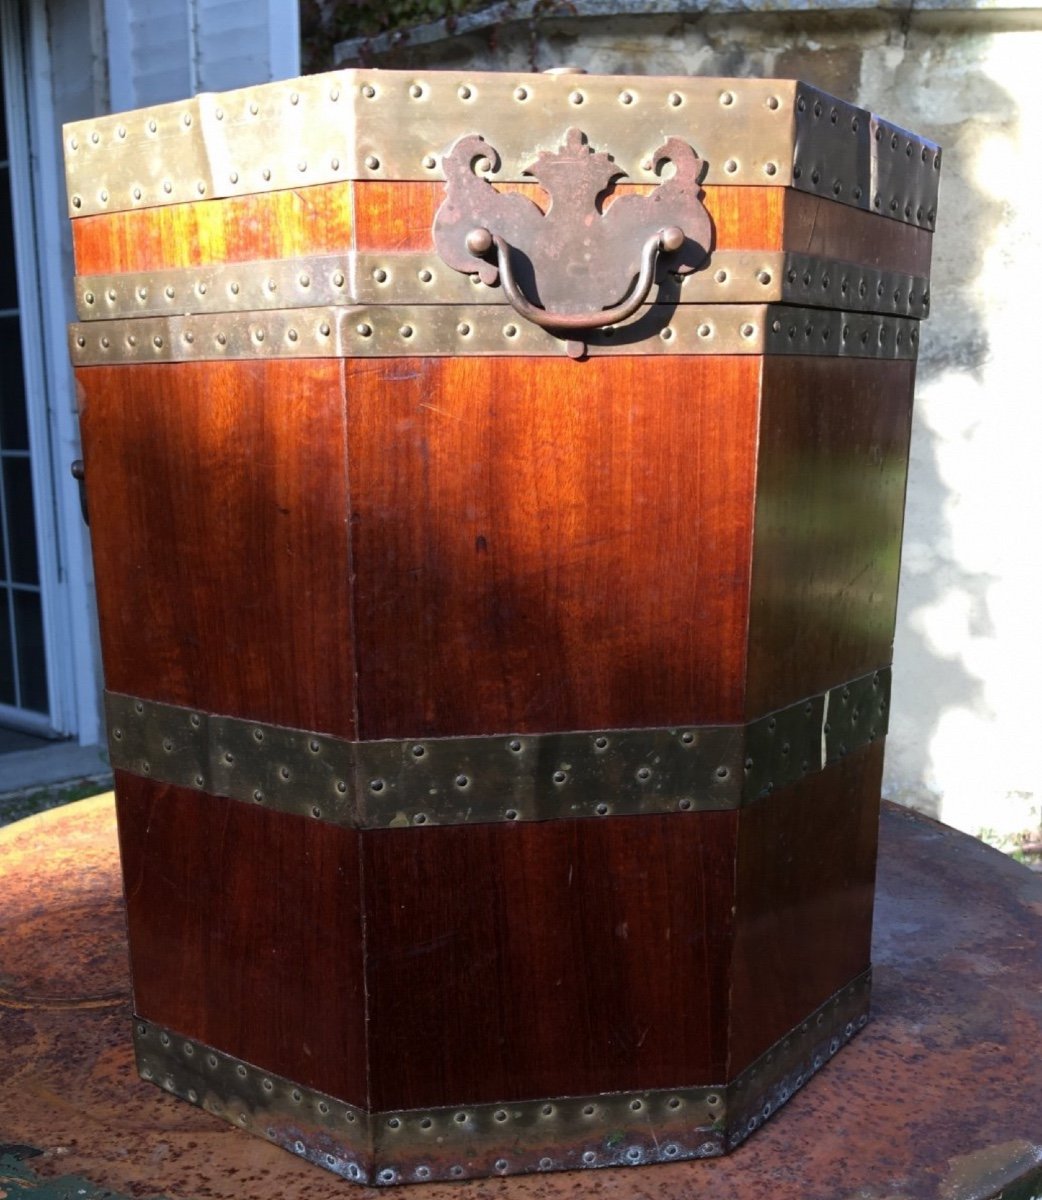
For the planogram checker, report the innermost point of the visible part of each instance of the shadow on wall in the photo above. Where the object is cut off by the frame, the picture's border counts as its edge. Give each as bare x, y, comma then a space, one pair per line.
935, 80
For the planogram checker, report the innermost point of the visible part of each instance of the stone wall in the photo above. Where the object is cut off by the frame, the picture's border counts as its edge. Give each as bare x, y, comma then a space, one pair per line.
964, 744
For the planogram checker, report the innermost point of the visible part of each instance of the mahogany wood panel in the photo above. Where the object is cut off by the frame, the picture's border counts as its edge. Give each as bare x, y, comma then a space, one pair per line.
287, 224
833, 457
803, 923
218, 495
547, 549
246, 931
547, 959
398, 216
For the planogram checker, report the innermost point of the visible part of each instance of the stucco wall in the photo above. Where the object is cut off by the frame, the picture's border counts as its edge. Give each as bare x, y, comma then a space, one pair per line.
963, 741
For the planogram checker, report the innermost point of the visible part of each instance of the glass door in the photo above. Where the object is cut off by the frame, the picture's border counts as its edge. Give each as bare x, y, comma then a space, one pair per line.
24, 700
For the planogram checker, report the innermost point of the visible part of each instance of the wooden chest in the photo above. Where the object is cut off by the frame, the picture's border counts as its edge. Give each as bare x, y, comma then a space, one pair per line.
496, 489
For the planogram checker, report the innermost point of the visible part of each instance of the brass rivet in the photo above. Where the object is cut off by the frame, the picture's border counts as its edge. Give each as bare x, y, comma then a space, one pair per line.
430, 162
103, 196
676, 99
465, 93
720, 276
324, 329
335, 164
142, 293
372, 162
200, 187
302, 166
168, 187
189, 337
188, 118
234, 289
305, 281
705, 330
406, 331
201, 288
380, 275
81, 341
74, 144
364, 330
772, 102
219, 114
334, 94
426, 276
748, 331
77, 201
169, 291
105, 343
730, 166
294, 98
770, 168
416, 91
764, 277
577, 97
625, 97
88, 297
727, 98
234, 177
259, 334
521, 93
266, 174
666, 334
510, 331
94, 137
253, 107
463, 329
222, 340
151, 127
338, 279
368, 91
292, 335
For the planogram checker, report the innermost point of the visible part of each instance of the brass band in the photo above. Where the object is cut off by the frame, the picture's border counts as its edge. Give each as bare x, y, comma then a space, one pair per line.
477, 780
395, 331
355, 278
395, 125
469, 1140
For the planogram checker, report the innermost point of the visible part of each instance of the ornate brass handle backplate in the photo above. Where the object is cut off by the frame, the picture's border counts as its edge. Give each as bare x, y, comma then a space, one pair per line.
558, 266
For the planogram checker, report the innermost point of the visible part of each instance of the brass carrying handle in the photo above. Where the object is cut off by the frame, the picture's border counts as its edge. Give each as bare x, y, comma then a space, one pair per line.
480, 241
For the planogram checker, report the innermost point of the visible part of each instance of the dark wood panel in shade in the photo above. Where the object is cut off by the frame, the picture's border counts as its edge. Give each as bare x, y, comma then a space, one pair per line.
547, 549
218, 497
513, 961
803, 922
827, 229
246, 932
833, 456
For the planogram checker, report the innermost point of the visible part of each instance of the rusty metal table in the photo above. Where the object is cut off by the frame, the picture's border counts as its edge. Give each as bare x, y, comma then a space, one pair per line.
938, 1097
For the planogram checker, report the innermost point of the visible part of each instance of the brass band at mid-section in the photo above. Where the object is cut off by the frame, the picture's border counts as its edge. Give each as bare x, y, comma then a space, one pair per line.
476, 780
415, 278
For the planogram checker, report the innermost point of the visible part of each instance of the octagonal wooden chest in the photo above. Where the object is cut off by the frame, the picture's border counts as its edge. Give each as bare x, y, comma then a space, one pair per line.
496, 489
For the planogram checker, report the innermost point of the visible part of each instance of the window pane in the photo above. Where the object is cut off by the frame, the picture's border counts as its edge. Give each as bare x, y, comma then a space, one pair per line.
7, 693
21, 524
14, 430
32, 673
8, 280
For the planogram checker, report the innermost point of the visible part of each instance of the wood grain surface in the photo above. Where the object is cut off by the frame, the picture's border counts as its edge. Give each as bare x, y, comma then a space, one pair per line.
550, 549
831, 471
805, 871
245, 931
329, 218
218, 495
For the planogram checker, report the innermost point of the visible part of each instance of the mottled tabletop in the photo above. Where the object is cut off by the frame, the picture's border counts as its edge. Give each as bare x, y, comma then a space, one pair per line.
940, 1097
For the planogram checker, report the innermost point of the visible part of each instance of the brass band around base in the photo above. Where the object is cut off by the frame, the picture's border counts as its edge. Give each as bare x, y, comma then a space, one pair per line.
358, 278
511, 1138
476, 780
